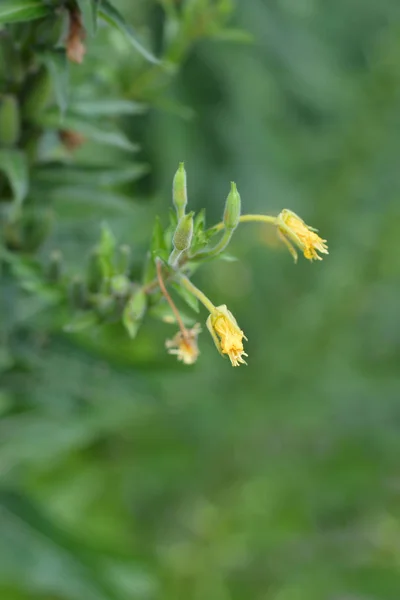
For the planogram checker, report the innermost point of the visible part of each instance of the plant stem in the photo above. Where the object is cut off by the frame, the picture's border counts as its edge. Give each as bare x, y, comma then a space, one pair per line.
168, 298
196, 292
249, 218
218, 248
174, 257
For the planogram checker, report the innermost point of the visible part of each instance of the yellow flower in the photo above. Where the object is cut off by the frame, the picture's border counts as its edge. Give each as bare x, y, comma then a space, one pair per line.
293, 229
226, 334
185, 346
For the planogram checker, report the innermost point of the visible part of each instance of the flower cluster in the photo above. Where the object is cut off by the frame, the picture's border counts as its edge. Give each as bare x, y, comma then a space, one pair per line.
190, 245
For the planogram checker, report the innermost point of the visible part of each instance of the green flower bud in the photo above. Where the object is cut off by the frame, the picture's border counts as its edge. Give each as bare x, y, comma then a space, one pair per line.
38, 95
9, 121
179, 194
120, 285
183, 233
232, 208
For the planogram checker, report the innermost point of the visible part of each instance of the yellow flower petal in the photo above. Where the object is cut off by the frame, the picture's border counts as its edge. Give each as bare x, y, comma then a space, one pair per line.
227, 335
185, 346
293, 229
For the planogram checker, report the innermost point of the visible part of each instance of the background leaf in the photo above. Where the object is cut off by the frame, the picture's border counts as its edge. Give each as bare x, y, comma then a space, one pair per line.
12, 11
56, 63
13, 163
110, 14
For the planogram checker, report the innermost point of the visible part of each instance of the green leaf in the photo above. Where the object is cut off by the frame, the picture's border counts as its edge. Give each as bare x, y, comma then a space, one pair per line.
239, 36
44, 558
149, 270
73, 202
81, 322
106, 134
90, 176
57, 65
199, 221
134, 311
107, 107
89, 10
186, 296
112, 16
158, 246
12, 11
106, 251
13, 164
162, 311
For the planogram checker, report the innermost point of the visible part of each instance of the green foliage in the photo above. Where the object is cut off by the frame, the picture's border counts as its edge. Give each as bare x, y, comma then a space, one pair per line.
125, 474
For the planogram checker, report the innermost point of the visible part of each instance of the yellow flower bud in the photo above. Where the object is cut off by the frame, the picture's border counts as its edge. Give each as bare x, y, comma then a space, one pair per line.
232, 208
179, 194
185, 346
292, 228
226, 334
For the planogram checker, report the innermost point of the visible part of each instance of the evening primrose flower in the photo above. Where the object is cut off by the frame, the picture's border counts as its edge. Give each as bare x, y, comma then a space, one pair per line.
185, 346
226, 334
292, 228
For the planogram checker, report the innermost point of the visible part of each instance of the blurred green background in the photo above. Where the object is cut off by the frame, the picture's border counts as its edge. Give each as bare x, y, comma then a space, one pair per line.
126, 475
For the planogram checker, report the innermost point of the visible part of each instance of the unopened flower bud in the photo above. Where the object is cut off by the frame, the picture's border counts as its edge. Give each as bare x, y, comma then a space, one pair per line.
120, 285
232, 208
179, 194
39, 94
184, 233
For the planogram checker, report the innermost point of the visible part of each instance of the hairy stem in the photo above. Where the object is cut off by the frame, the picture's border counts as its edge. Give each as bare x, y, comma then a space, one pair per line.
248, 219
168, 298
196, 292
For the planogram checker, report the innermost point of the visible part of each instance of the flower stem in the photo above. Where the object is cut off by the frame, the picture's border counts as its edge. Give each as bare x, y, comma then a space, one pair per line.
168, 298
174, 257
218, 248
250, 218
196, 292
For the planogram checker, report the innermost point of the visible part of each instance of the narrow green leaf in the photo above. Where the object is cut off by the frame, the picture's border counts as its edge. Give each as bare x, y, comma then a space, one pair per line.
162, 311
158, 246
149, 271
107, 107
81, 322
12, 11
89, 10
57, 65
240, 36
106, 251
134, 311
79, 202
30, 543
13, 164
104, 134
96, 176
186, 296
200, 221
112, 16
